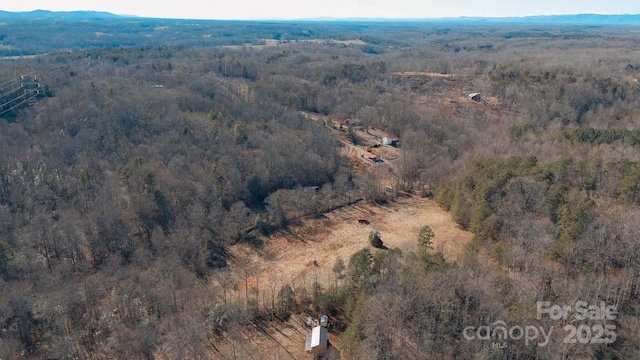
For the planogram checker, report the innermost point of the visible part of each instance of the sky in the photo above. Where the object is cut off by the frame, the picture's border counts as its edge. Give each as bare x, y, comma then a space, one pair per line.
292, 9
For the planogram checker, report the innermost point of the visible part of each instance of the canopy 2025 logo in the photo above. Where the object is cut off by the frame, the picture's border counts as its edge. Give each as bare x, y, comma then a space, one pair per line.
588, 324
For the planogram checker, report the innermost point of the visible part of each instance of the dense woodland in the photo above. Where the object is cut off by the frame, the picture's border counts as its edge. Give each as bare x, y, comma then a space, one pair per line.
124, 184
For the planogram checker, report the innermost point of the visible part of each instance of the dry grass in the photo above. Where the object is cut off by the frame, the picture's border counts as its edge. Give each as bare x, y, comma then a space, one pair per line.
388, 153
306, 253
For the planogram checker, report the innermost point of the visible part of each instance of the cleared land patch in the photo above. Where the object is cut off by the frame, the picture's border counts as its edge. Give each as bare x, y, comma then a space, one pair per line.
307, 252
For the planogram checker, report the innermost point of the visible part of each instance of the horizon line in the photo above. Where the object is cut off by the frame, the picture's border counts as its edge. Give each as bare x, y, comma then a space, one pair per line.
331, 18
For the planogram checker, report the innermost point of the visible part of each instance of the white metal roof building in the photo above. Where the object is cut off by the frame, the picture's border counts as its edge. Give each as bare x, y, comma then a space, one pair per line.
316, 343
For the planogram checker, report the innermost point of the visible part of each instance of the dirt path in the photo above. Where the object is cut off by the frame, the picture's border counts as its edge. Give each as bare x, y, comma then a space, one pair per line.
306, 253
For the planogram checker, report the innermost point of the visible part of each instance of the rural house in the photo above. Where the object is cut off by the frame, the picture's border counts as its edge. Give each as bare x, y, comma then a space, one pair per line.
371, 156
390, 140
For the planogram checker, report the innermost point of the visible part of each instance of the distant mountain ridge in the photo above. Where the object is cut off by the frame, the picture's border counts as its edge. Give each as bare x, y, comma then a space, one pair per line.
576, 19
573, 19
57, 15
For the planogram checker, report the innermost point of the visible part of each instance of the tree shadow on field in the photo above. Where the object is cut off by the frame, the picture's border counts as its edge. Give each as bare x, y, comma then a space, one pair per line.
254, 241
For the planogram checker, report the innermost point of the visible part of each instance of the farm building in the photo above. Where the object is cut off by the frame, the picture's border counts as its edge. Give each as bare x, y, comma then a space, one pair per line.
383, 137
474, 96
390, 140
324, 321
317, 341
371, 156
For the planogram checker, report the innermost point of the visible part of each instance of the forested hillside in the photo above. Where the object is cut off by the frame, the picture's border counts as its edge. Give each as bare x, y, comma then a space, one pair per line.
129, 177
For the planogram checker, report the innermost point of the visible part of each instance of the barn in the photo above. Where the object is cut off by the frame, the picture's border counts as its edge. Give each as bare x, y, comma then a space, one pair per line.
475, 96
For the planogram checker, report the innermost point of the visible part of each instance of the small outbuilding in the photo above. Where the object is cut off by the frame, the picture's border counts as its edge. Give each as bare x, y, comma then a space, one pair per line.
475, 96
324, 321
390, 140
371, 156
317, 343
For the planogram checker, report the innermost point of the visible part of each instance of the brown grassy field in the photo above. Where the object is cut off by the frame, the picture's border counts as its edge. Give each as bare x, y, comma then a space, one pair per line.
307, 252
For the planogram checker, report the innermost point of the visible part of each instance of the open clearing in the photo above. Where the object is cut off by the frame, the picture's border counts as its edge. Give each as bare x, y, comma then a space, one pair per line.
307, 252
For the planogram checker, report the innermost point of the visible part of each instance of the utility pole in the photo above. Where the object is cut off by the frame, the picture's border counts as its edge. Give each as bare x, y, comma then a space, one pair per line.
17, 92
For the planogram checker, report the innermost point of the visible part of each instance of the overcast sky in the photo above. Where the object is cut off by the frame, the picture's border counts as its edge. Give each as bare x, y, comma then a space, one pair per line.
287, 9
